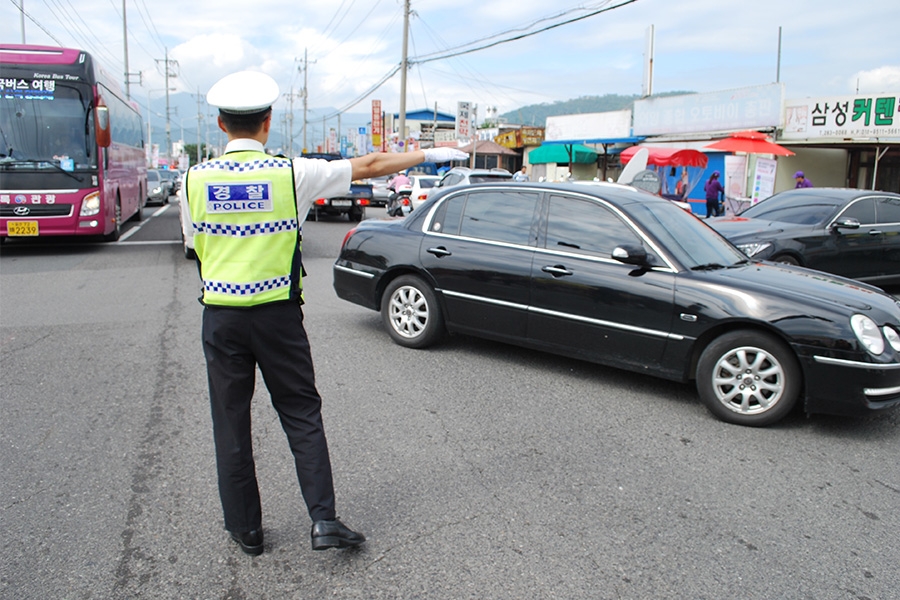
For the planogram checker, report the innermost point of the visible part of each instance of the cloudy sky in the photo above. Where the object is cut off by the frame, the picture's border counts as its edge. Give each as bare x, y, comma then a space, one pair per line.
828, 47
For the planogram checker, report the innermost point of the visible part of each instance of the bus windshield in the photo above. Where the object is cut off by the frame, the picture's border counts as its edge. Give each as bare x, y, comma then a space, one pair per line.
51, 129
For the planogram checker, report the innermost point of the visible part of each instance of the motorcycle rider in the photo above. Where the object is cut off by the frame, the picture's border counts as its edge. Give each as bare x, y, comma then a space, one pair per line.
395, 185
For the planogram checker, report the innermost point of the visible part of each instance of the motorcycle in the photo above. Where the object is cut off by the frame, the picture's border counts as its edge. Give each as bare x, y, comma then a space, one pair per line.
399, 202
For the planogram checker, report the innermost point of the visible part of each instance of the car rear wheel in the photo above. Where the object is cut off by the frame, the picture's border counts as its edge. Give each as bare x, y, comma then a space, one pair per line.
410, 311
748, 378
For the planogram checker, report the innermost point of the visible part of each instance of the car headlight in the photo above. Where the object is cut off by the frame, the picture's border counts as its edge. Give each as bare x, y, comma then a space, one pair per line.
90, 205
867, 333
753, 249
892, 337
157, 190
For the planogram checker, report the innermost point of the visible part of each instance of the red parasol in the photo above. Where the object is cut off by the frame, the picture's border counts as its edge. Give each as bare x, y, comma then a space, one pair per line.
667, 157
751, 142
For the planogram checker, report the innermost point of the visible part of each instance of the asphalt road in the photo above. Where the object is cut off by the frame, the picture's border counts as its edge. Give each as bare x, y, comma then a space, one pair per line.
477, 470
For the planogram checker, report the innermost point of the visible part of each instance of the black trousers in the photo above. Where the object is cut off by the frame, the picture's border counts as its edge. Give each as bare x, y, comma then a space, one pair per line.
272, 336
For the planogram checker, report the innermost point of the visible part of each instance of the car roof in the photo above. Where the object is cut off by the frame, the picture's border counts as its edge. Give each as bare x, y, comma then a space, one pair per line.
827, 195
622, 195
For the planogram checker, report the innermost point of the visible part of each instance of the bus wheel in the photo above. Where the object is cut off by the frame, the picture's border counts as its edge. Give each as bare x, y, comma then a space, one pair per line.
115, 233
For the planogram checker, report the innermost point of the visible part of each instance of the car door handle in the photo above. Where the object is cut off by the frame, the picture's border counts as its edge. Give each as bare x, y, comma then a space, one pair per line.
556, 270
875, 232
439, 251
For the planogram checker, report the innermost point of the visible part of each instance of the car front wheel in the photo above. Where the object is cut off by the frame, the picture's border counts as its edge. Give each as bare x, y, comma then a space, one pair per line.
748, 378
411, 313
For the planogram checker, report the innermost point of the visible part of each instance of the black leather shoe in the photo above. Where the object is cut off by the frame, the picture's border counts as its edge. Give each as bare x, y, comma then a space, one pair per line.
334, 534
251, 542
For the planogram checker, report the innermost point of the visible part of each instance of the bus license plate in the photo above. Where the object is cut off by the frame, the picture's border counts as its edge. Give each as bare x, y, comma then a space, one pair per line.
342, 203
21, 228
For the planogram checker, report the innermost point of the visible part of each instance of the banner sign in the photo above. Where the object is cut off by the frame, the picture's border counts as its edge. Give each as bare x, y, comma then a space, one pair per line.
842, 117
764, 180
377, 126
463, 121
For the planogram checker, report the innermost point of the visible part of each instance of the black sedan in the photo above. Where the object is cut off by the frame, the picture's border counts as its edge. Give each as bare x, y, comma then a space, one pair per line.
617, 276
854, 233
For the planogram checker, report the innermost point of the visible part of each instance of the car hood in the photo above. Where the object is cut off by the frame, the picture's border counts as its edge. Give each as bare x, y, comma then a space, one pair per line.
742, 228
801, 287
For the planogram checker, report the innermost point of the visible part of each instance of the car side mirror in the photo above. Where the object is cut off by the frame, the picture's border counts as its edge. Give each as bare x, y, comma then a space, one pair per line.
631, 255
846, 223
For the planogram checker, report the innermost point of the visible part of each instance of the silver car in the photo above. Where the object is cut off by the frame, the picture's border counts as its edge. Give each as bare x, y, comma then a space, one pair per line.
463, 175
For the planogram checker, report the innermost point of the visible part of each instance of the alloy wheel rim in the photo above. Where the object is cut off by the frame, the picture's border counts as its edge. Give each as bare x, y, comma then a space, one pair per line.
748, 380
408, 311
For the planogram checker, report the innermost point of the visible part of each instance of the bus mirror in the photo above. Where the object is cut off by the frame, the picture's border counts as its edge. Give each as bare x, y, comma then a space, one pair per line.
103, 137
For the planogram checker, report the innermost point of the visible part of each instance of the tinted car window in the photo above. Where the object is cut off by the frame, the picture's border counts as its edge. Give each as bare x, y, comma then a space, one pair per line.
152, 176
795, 206
488, 178
888, 210
446, 218
808, 214
861, 210
686, 237
585, 227
499, 216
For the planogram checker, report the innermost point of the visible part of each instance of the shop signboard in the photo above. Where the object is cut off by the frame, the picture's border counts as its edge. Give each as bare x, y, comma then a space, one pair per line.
377, 126
589, 126
463, 122
842, 117
729, 110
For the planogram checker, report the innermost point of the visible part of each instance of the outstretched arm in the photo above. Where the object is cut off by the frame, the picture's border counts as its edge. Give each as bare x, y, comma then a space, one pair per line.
384, 163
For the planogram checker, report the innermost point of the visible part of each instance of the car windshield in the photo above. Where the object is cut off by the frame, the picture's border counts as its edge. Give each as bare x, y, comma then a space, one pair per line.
690, 241
152, 176
792, 208
426, 183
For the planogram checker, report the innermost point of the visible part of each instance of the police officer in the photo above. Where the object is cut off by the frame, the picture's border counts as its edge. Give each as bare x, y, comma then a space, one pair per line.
246, 209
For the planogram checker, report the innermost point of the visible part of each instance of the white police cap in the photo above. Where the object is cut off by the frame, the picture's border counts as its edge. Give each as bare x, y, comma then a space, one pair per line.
243, 93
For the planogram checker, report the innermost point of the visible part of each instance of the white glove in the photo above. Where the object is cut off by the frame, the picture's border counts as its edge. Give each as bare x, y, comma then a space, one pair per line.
442, 155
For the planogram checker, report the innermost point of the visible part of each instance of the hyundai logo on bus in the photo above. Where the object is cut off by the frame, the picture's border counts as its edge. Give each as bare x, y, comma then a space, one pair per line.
21, 211
239, 197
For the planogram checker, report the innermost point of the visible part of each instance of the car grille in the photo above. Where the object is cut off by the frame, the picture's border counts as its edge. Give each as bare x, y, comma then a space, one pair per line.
37, 210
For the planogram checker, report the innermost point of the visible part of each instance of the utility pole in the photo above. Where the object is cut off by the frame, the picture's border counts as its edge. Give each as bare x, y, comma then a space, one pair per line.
290, 116
305, 95
199, 120
128, 74
403, 66
169, 72
125, 38
22, 19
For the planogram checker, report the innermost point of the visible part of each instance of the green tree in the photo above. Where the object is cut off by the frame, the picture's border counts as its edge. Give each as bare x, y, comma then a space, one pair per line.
191, 151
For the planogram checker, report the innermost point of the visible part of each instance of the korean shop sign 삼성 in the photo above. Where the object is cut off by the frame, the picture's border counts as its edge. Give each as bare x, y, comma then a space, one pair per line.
842, 117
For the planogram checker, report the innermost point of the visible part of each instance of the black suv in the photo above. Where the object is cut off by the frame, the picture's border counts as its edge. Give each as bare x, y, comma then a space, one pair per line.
353, 203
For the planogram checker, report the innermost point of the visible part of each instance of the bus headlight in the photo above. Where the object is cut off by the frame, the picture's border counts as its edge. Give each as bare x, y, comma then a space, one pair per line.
90, 205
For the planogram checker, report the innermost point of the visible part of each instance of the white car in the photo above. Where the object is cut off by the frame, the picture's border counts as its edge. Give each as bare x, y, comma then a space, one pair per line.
421, 184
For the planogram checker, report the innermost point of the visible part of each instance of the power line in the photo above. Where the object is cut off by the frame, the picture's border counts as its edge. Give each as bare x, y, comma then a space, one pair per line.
521, 36
36, 22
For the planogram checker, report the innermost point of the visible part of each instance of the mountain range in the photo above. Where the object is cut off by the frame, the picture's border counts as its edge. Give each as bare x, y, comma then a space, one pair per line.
183, 116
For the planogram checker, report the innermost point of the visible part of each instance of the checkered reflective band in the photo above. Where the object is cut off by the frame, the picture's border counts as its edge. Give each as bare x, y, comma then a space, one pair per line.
243, 167
246, 289
231, 230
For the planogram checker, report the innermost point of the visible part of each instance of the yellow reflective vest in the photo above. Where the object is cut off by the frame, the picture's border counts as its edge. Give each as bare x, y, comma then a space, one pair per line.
246, 231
